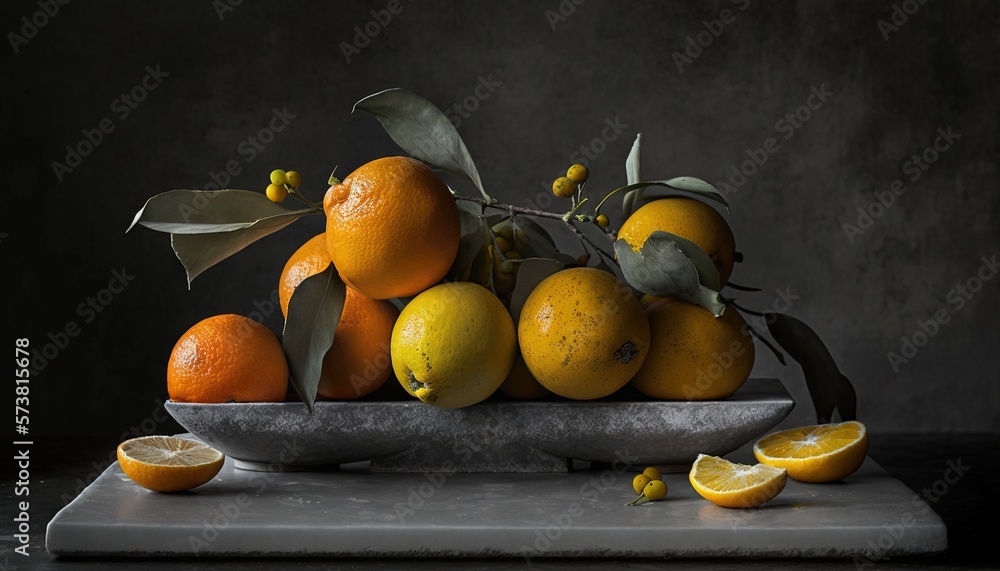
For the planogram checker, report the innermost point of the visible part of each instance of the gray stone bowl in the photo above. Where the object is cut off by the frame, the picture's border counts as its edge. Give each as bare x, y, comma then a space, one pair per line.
497, 435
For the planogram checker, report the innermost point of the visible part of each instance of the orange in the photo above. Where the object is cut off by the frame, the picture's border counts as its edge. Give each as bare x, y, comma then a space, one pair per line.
734, 485
821, 453
690, 219
358, 362
227, 358
392, 228
694, 355
168, 464
583, 334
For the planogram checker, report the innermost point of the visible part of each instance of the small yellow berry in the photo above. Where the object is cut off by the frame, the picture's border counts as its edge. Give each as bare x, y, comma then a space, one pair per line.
513, 255
639, 483
653, 473
278, 176
503, 244
602, 220
505, 232
506, 267
563, 187
293, 178
276, 192
582, 260
578, 173
655, 490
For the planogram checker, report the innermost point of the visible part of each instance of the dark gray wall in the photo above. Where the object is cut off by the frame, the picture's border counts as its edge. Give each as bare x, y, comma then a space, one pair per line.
606, 61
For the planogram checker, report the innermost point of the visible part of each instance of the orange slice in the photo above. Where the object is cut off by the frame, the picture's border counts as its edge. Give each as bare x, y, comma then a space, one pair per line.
822, 453
168, 464
733, 485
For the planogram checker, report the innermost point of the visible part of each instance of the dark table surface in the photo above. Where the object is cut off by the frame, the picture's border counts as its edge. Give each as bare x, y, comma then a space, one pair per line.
60, 468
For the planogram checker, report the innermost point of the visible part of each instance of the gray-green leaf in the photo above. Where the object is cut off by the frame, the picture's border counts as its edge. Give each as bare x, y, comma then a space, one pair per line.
313, 315
633, 174
198, 252
473, 237
210, 211
662, 267
423, 131
828, 387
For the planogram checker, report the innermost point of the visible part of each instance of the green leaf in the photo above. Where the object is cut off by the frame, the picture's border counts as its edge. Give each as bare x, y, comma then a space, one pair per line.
423, 131
198, 252
688, 184
530, 273
211, 211
633, 174
534, 241
313, 315
828, 387
663, 267
473, 237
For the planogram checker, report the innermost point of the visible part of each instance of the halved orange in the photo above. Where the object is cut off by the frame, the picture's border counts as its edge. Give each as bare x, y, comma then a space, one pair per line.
733, 485
168, 464
821, 453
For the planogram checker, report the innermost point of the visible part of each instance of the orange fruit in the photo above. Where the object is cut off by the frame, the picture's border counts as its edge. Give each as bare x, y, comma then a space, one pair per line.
690, 219
821, 453
583, 334
694, 355
392, 228
168, 464
227, 358
358, 362
520, 384
733, 485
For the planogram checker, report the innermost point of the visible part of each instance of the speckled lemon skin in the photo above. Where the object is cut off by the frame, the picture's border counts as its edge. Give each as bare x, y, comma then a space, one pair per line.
583, 334
694, 355
453, 345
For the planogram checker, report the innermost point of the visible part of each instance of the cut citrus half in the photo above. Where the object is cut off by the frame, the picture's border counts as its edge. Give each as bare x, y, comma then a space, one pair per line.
168, 464
822, 453
733, 485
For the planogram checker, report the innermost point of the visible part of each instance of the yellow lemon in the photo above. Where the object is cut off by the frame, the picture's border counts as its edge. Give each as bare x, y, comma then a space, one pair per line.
821, 453
733, 485
453, 345
582, 333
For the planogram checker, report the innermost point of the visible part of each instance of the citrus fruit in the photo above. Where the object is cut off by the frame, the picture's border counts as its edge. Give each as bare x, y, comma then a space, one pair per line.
392, 228
690, 219
694, 355
582, 333
453, 345
358, 361
734, 485
168, 464
227, 358
822, 453
520, 384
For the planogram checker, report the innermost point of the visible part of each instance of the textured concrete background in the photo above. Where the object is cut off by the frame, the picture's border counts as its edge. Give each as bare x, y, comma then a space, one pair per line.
554, 90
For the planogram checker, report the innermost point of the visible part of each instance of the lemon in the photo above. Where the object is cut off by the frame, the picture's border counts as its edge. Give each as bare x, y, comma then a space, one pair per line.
453, 345
168, 464
821, 453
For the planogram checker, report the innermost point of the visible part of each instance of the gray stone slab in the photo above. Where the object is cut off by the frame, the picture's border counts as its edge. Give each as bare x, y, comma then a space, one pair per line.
353, 512
494, 436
